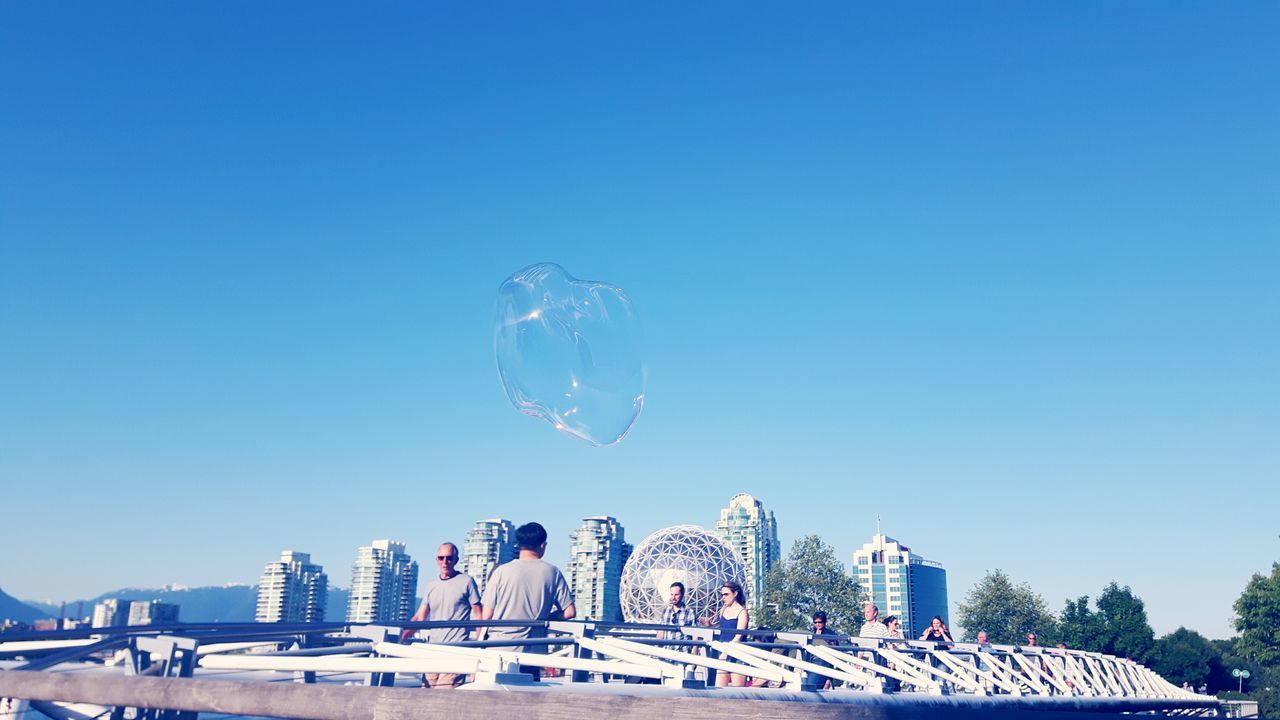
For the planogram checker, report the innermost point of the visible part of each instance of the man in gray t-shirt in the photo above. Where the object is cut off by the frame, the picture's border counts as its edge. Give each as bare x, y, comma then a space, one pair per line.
527, 588
450, 596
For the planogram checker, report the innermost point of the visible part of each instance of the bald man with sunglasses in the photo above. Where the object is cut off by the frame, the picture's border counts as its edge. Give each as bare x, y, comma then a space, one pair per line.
450, 596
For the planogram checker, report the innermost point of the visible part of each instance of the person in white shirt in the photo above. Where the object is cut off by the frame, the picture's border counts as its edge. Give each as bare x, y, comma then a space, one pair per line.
871, 625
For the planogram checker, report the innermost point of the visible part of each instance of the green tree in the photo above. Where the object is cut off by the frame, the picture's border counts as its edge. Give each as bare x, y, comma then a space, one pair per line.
1006, 611
1268, 696
1079, 627
1124, 620
1258, 618
809, 580
1220, 679
1185, 656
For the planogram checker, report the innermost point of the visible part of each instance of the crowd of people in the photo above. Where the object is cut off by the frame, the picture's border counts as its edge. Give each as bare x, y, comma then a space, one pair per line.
531, 589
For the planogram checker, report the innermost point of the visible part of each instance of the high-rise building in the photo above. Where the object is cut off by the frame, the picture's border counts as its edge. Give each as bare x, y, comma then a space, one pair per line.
292, 589
597, 553
152, 612
384, 584
752, 532
111, 613
489, 544
901, 583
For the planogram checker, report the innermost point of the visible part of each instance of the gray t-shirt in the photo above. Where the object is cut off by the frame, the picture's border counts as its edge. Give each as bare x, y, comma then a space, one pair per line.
525, 590
450, 600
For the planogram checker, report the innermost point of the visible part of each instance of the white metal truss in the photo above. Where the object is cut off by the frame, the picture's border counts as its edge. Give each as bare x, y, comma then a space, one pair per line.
961, 669
585, 652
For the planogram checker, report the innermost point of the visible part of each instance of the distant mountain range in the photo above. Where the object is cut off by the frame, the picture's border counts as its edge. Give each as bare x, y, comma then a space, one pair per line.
11, 608
226, 603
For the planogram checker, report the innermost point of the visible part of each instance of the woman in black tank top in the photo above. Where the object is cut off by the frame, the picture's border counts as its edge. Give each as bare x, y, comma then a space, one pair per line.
937, 631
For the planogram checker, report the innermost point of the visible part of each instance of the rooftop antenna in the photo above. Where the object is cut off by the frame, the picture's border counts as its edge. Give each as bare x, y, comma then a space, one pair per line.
877, 523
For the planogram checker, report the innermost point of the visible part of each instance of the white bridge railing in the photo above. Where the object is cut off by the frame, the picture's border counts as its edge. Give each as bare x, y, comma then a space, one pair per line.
692, 656
689, 658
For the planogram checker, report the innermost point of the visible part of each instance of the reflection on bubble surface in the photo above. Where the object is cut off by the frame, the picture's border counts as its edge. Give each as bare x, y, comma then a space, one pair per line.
569, 351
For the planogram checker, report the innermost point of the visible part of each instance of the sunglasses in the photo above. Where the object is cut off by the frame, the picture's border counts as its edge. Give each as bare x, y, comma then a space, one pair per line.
447, 557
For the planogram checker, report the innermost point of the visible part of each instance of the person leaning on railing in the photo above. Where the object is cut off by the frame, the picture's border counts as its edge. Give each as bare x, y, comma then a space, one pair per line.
527, 588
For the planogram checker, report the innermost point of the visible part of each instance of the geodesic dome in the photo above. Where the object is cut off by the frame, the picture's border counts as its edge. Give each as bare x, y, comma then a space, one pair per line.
682, 553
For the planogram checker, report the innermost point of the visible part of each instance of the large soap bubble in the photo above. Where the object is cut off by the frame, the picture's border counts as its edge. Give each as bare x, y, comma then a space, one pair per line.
568, 351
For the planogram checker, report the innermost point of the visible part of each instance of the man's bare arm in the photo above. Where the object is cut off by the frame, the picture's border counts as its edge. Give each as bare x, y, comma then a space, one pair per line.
566, 613
419, 616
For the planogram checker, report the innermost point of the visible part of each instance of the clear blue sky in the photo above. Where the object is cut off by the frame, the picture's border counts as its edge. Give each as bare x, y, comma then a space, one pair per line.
1004, 273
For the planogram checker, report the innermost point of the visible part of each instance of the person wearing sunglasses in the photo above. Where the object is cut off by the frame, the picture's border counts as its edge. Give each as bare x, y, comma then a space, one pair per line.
822, 635
732, 616
450, 596
893, 626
